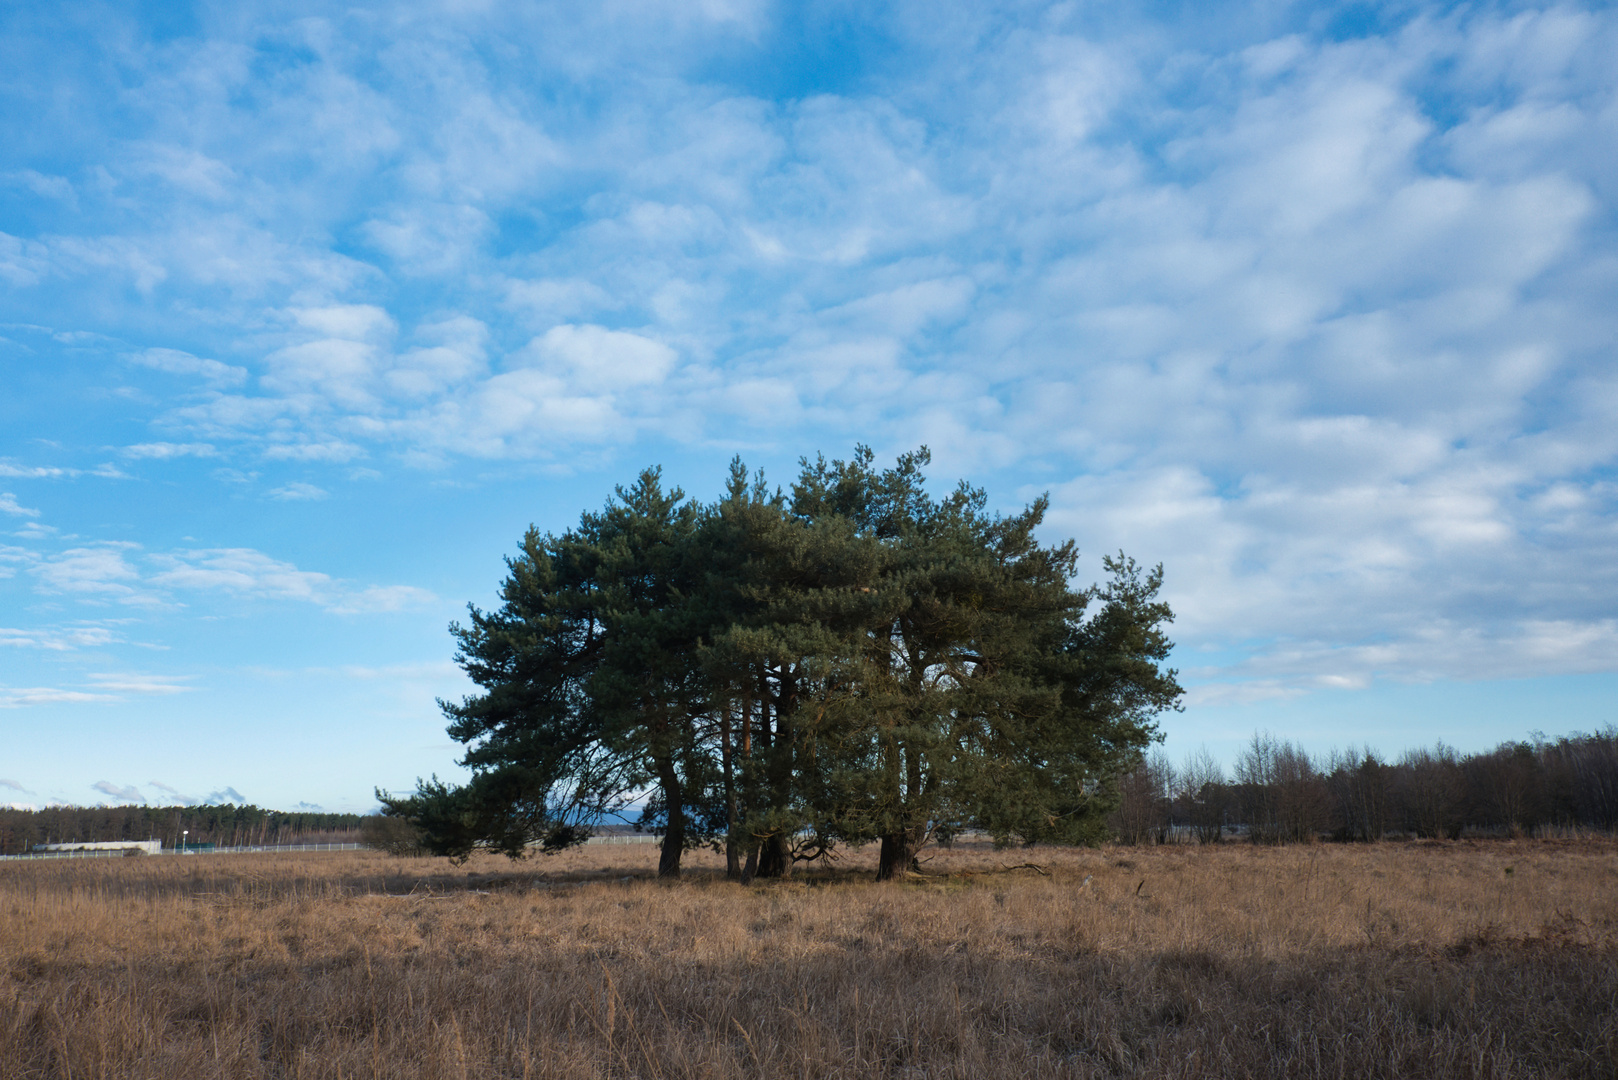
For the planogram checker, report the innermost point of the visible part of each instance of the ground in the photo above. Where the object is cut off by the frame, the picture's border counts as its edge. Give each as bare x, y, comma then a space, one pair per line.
1485, 959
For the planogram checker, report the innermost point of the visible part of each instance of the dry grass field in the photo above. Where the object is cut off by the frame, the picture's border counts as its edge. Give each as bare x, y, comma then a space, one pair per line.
1495, 959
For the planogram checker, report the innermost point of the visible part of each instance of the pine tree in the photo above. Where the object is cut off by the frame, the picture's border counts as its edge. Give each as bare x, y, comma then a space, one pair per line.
860, 662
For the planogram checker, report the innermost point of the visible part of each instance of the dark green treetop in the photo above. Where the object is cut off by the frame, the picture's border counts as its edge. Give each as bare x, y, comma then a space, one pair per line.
858, 661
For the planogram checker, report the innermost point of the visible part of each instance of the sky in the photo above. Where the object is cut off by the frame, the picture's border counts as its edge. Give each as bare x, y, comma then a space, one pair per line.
308, 311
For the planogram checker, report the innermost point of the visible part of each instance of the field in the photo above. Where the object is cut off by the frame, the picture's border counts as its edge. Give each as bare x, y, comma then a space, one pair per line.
1489, 959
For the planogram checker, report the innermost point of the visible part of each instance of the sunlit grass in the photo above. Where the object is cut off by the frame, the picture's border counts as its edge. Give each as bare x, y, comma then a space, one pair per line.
1490, 959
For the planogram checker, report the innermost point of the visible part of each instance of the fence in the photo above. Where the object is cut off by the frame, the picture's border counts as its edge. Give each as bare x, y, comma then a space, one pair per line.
198, 849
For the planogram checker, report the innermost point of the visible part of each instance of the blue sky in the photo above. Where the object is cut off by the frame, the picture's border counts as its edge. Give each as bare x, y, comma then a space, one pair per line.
307, 311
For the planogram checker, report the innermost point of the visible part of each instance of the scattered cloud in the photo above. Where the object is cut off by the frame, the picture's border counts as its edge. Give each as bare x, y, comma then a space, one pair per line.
298, 491
130, 794
382, 598
8, 505
97, 689
119, 572
32, 472
41, 184
248, 573
102, 571
12, 557
31, 530
138, 683
1331, 341
597, 360
174, 796
313, 451
175, 362
164, 450
242, 571
14, 786
23, 697
60, 639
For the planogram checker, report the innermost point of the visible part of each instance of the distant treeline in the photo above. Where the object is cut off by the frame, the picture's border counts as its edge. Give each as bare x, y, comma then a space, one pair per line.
225, 825
1277, 793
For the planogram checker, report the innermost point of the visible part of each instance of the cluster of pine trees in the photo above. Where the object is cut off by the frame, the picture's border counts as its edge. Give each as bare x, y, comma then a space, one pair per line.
852, 661
1277, 793
227, 825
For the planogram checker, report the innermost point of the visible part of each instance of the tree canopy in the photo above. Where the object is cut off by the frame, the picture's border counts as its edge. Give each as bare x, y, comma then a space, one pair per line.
784, 673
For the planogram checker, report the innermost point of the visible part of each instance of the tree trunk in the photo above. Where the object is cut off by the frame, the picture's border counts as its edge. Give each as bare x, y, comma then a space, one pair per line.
775, 858
733, 862
898, 856
750, 868
668, 865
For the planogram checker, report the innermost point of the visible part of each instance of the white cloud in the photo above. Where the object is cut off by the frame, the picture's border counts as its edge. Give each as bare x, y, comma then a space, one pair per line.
18, 697
172, 795
218, 797
549, 299
31, 530
195, 173
241, 571
59, 639
33, 472
102, 571
13, 557
122, 572
41, 184
458, 354
298, 491
129, 794
1323, 324
138, 683
332, 450
176, 362
430, 239
23, 262
599, 360
339, 370
382, 598
164, 450
8, 505
249, 573
349, 322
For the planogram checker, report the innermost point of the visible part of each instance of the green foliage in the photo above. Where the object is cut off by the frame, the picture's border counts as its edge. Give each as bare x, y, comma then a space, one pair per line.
858, 661
394, 835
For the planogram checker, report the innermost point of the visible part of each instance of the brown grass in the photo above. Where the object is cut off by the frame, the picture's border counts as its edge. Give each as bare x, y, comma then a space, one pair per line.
1415, 960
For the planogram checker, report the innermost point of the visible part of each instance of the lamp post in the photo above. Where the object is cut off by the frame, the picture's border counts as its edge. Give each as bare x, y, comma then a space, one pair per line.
183, 834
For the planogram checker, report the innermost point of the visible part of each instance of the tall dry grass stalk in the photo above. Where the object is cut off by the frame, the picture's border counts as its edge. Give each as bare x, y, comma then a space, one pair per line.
1475, 960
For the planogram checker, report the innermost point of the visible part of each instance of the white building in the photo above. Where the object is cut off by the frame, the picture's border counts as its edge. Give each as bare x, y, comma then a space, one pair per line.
145, 847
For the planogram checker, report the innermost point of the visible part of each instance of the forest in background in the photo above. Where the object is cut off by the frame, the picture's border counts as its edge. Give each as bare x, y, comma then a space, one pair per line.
1277, 793
227, 825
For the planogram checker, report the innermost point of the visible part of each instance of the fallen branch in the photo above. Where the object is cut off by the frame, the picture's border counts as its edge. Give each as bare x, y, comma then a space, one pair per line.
1035, 867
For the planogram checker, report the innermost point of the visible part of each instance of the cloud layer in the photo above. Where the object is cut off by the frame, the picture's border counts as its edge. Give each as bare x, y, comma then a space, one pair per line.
1319, 314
